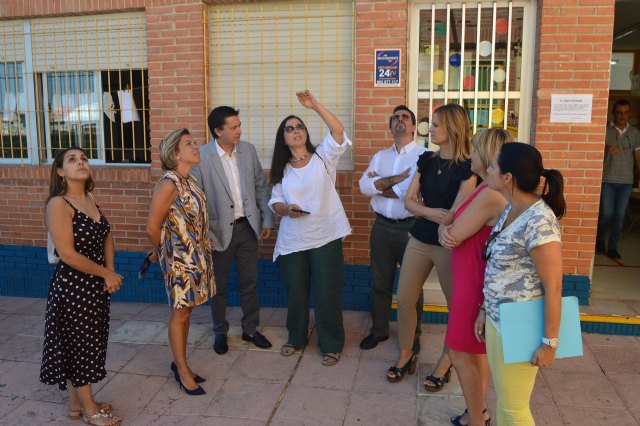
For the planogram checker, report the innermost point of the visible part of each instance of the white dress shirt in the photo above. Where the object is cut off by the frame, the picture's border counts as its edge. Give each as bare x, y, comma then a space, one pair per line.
230, 165
312, 187
390, 162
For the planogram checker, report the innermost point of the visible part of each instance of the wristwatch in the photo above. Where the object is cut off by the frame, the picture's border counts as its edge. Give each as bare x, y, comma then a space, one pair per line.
552, 342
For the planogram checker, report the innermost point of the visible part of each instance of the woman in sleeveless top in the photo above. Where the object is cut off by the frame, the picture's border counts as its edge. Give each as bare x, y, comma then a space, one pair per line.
178, 230
467, 236
77, 317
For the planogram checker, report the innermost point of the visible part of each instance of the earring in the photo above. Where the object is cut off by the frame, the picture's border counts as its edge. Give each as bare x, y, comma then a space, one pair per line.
177, 158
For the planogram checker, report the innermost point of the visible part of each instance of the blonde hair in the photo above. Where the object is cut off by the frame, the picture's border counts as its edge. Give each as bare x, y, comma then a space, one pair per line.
489, 141
168, 148
455, 121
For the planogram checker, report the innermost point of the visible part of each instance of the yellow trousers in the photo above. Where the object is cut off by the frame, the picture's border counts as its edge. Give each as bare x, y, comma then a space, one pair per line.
513, 383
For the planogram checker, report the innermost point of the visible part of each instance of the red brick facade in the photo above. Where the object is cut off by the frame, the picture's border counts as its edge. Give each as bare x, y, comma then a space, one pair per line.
573, 49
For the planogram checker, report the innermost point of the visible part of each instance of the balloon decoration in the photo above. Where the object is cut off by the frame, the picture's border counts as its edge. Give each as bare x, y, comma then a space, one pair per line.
455, 60
485, 48
497, 116
440, 29
502, 25
499, 75
438, 77
469, 82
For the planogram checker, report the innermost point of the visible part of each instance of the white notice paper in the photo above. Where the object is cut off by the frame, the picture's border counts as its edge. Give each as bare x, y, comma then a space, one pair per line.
571, 108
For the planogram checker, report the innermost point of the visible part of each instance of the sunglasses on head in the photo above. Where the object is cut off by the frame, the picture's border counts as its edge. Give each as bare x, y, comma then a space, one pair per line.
291, 129
486, 254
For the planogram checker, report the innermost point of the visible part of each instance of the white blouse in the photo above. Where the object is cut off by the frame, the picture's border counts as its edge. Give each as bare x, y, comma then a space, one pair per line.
312, 187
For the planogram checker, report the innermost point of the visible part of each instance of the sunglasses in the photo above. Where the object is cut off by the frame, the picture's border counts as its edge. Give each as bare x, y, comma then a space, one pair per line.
486, 254
291, 129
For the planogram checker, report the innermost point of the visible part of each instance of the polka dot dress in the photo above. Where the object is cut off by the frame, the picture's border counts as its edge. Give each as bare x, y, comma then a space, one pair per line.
77, 317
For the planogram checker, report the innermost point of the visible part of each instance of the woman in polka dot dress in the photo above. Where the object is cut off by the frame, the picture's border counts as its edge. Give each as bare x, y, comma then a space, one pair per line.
77, 318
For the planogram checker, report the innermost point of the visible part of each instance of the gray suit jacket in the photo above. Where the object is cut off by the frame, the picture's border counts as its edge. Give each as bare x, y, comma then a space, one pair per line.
213, 181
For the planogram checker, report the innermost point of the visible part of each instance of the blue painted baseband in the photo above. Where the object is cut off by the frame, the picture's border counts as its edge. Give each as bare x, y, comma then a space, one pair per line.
26, 273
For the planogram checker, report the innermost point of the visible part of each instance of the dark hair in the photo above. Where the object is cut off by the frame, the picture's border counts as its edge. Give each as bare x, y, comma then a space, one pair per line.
218, 116
403, 108
281, 152
620, 102
57, 185
524, 162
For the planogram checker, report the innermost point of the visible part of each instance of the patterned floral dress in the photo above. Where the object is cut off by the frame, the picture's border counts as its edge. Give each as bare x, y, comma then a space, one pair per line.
185, 254
76, 325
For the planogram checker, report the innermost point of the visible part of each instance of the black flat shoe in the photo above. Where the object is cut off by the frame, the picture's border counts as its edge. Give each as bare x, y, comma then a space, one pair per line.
197, 378
371, 341
257, 339
456, 420
193, 392
395, 374
438, 382
220, 344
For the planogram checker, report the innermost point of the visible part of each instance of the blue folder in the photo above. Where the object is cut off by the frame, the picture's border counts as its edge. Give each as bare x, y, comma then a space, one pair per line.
522, 329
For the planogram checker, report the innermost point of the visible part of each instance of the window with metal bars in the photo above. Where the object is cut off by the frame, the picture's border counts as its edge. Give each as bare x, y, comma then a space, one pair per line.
261, 53
478, 55
74, 81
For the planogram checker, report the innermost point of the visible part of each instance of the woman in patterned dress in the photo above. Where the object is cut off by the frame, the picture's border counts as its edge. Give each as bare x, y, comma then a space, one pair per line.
178, 230
77, 318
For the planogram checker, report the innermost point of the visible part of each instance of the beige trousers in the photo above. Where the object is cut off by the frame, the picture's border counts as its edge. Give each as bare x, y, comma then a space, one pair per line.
419, 259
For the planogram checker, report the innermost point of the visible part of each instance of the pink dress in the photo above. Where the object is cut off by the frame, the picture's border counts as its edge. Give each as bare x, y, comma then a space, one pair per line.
466, 293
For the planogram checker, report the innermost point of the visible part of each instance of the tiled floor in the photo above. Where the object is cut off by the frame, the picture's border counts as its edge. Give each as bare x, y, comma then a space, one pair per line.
256, 387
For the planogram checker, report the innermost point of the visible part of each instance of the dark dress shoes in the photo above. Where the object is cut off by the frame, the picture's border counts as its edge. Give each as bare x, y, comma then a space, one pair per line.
257, 339
220, 344
371, 341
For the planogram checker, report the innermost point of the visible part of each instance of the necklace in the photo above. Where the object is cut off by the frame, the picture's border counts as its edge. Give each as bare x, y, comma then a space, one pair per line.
440, 165
295, 160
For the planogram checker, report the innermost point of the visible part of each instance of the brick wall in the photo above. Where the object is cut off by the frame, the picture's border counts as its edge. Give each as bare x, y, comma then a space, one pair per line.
573, 55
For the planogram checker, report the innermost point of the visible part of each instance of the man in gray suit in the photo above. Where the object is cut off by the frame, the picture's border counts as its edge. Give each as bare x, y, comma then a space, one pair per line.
232, 179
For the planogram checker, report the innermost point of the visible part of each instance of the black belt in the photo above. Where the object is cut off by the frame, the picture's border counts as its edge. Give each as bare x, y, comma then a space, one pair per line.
406, 219
240, 219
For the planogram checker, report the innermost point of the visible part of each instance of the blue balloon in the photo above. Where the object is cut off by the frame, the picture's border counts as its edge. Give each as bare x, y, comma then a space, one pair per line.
455, 60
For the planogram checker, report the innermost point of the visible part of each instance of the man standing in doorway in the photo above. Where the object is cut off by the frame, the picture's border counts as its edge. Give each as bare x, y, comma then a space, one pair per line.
232, 179
387, 180
621, 152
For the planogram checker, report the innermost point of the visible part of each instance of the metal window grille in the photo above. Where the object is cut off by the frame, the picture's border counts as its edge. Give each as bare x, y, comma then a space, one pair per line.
477, 55
74, 81
261, 53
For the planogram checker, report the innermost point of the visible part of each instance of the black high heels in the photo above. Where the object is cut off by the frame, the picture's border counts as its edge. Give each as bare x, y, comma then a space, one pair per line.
197, 378
438, 382
456, 420
192, 392
395, 374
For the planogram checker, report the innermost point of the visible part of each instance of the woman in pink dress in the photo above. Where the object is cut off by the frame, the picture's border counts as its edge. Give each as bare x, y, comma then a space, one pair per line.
467, 236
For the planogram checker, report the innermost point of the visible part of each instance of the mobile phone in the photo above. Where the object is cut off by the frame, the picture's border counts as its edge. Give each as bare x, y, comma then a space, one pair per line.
145, 265
300, 211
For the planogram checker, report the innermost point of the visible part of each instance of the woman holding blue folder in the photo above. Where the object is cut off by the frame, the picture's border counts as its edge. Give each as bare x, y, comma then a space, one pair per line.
524, 262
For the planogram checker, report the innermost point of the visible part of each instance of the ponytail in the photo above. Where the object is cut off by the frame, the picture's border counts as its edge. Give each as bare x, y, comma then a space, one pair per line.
553, 192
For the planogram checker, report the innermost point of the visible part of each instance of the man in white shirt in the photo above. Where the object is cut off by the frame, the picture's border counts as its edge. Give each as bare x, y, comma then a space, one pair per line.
387, 180
237, 194
621, 154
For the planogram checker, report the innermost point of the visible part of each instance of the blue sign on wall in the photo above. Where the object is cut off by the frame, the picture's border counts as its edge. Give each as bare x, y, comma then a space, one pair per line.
387, 64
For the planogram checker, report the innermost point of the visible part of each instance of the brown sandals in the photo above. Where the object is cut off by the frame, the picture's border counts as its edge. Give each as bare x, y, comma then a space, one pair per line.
76, 413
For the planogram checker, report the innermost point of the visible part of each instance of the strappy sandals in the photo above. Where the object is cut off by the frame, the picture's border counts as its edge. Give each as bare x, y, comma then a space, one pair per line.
76, 413
101, 418
395, 374
456, 420
437, 382
330, 358
288, 349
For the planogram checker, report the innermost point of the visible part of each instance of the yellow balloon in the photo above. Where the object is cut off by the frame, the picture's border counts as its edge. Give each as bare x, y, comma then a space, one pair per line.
497, 116
438, 77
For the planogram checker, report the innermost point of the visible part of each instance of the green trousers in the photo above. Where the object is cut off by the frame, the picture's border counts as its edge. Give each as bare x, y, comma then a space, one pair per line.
324, 266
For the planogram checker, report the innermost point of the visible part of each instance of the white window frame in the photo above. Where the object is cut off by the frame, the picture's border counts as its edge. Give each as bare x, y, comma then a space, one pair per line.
527, 66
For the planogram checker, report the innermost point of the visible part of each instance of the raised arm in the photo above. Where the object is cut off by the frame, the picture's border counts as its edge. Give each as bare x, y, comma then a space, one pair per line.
336, 127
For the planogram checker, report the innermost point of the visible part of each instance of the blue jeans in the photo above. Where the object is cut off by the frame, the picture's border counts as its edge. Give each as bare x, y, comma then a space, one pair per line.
613, 205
